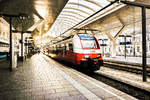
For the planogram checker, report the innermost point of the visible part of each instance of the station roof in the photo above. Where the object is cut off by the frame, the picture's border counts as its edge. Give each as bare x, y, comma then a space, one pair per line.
41, 13
75, 11
56, 18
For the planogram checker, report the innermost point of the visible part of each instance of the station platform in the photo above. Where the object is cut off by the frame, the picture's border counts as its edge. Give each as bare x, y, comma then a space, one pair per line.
42, 78
132, 79
137, 60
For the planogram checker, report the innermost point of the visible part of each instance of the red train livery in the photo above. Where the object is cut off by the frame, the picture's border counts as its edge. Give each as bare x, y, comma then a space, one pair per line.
81, 49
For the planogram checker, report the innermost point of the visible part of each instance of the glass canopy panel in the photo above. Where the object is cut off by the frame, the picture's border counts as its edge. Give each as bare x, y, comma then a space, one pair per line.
74, 12
81, 7
102, 2
61, 25
66, 20
77, 9
71, 16
66, 23
78, 16
102, 14
57, 24
85, 4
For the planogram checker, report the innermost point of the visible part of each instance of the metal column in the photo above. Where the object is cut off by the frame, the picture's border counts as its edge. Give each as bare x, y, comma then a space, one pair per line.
27, 46
144, 44
143, 7
10, 40
125, 47
103, 46
22, 57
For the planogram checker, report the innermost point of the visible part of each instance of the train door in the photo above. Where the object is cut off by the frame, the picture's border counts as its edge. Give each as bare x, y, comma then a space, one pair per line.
64, 50
70, 52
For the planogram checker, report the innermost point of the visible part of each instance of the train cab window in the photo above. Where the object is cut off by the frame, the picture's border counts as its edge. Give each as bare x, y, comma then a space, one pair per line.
89, 44
88, 41
70, 46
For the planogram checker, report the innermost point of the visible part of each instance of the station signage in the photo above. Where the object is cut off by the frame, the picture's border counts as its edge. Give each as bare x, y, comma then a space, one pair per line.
103, 44
125, 43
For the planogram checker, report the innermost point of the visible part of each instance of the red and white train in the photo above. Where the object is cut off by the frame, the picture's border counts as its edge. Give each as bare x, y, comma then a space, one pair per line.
82, 49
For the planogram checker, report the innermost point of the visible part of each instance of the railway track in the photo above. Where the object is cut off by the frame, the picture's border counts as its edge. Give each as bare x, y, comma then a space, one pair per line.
134, 91
134, 68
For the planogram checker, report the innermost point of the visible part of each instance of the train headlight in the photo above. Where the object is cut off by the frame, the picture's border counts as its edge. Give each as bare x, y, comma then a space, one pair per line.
99, 56
86, 56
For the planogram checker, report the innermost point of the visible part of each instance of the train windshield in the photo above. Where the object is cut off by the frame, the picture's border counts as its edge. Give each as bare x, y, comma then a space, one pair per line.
87, 40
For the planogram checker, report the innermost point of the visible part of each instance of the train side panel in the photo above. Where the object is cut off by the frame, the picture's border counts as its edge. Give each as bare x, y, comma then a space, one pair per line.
78, 51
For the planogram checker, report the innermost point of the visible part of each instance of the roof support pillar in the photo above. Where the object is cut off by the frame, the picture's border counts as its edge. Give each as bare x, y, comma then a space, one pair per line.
113, 48
120, 32
109, 36
10, 39
22, 47
144, 44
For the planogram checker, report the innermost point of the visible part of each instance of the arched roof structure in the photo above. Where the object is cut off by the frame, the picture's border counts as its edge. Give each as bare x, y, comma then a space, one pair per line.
76, 11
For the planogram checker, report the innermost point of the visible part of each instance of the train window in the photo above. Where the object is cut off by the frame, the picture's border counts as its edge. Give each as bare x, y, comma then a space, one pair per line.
88, 41
70, 46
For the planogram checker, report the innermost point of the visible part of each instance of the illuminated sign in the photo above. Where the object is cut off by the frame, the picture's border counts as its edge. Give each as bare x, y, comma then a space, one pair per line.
85, 36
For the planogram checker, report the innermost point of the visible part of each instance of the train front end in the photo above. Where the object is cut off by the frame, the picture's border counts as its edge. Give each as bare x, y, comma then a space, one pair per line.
87, 50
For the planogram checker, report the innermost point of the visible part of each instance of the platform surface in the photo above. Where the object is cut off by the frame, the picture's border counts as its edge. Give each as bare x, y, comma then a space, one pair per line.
132, 59
127, 77
41, 78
